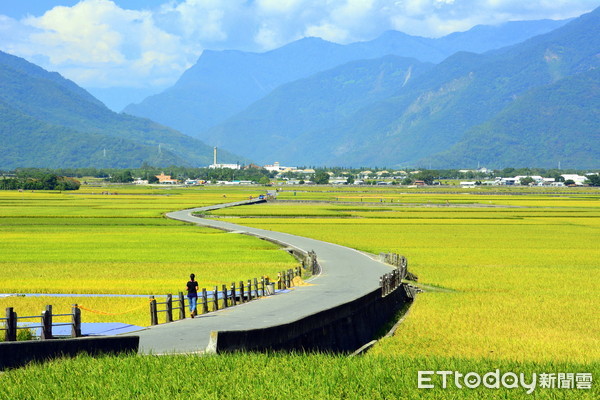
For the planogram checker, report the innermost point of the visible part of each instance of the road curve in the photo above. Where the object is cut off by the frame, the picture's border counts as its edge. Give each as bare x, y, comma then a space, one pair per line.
346, 275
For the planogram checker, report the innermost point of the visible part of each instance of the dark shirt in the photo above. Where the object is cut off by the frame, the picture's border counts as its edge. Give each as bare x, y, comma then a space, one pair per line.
192, 288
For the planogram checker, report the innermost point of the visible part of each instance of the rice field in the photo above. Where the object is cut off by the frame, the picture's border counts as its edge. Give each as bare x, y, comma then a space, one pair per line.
269, 376
506, 277
88, 243
511, 279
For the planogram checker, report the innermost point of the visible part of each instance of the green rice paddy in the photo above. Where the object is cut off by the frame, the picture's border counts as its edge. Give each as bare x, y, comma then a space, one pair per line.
89, 243
510, 278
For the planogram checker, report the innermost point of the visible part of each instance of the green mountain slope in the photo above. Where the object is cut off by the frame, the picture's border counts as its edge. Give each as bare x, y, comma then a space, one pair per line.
32, 143
430, 113
38, 102
557, 123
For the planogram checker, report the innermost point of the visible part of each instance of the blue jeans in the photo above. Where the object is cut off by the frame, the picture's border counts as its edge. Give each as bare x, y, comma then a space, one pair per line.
192, 303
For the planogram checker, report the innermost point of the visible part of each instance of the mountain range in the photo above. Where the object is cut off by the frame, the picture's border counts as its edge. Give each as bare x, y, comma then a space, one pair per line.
223, 83
485, 96
49, 121
500, 108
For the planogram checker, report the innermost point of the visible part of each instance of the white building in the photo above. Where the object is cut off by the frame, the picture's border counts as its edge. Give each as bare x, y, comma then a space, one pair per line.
216, 165
276, 167
230, 166
578, 179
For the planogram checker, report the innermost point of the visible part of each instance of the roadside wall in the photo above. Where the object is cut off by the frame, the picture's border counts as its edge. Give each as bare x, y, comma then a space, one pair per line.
343, 328
17, 354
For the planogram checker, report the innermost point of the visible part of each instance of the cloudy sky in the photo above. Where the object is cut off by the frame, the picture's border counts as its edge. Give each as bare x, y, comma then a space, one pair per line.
149, 43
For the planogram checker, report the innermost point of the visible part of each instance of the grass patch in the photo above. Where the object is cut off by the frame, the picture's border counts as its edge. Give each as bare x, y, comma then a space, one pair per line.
273, 376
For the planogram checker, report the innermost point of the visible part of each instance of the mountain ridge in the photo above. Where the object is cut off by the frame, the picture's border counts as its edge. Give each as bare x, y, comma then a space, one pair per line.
223, 83
435, 111
40, 105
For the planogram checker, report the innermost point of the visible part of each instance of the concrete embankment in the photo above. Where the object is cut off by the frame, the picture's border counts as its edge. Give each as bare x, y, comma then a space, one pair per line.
17, 354
344, 328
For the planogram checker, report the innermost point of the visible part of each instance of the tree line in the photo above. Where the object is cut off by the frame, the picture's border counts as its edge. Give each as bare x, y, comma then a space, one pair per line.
43, 182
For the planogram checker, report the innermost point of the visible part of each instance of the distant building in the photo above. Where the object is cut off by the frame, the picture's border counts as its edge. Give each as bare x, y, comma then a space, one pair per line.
578, 179
276, 167
230, 166
253, 166
166, 179
216, 165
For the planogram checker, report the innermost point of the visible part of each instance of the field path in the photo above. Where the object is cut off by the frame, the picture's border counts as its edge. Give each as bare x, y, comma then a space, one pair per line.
346, 275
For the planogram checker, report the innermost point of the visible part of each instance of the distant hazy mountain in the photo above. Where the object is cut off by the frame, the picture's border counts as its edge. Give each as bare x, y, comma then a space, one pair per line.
223, 83
48, 121
288, 123
517, 93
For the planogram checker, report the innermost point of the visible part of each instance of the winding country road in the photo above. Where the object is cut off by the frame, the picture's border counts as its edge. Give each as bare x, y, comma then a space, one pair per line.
347, 274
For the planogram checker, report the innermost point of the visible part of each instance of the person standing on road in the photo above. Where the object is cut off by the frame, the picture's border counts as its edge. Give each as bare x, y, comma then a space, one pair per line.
192, 289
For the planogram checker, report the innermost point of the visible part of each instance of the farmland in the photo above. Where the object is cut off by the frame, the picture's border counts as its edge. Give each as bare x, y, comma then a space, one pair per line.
510, 278
118, 244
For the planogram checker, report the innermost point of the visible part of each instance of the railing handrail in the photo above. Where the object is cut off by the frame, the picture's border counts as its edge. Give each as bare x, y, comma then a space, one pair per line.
11, 323
231, 295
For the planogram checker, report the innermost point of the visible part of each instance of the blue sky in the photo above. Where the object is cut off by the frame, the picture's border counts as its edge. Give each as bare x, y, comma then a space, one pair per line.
147, 44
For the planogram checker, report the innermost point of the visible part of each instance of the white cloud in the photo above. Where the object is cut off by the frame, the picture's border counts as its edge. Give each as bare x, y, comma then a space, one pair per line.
328, 31
98, 43
279, 6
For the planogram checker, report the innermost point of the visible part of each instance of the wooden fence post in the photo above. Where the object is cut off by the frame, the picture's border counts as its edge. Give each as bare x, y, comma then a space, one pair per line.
224, 291
249, 290
279, 282
204, 301
169, 308
181, 306
11, 325
216, 298
47, 323
233, 299
76, 328
262, 290
256, 288
153, 311
242, 299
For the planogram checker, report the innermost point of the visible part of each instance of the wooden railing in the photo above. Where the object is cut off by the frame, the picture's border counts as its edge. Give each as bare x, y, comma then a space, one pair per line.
391, 281
9, 324
224, 297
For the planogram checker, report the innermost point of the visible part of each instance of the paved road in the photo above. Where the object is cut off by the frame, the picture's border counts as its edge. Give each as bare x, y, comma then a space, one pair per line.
347, 274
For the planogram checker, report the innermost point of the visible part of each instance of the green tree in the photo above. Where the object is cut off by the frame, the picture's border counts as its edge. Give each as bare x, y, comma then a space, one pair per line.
526, 181
264, 181
321, 178
123, 176
407, 181
426, 176
593, 180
